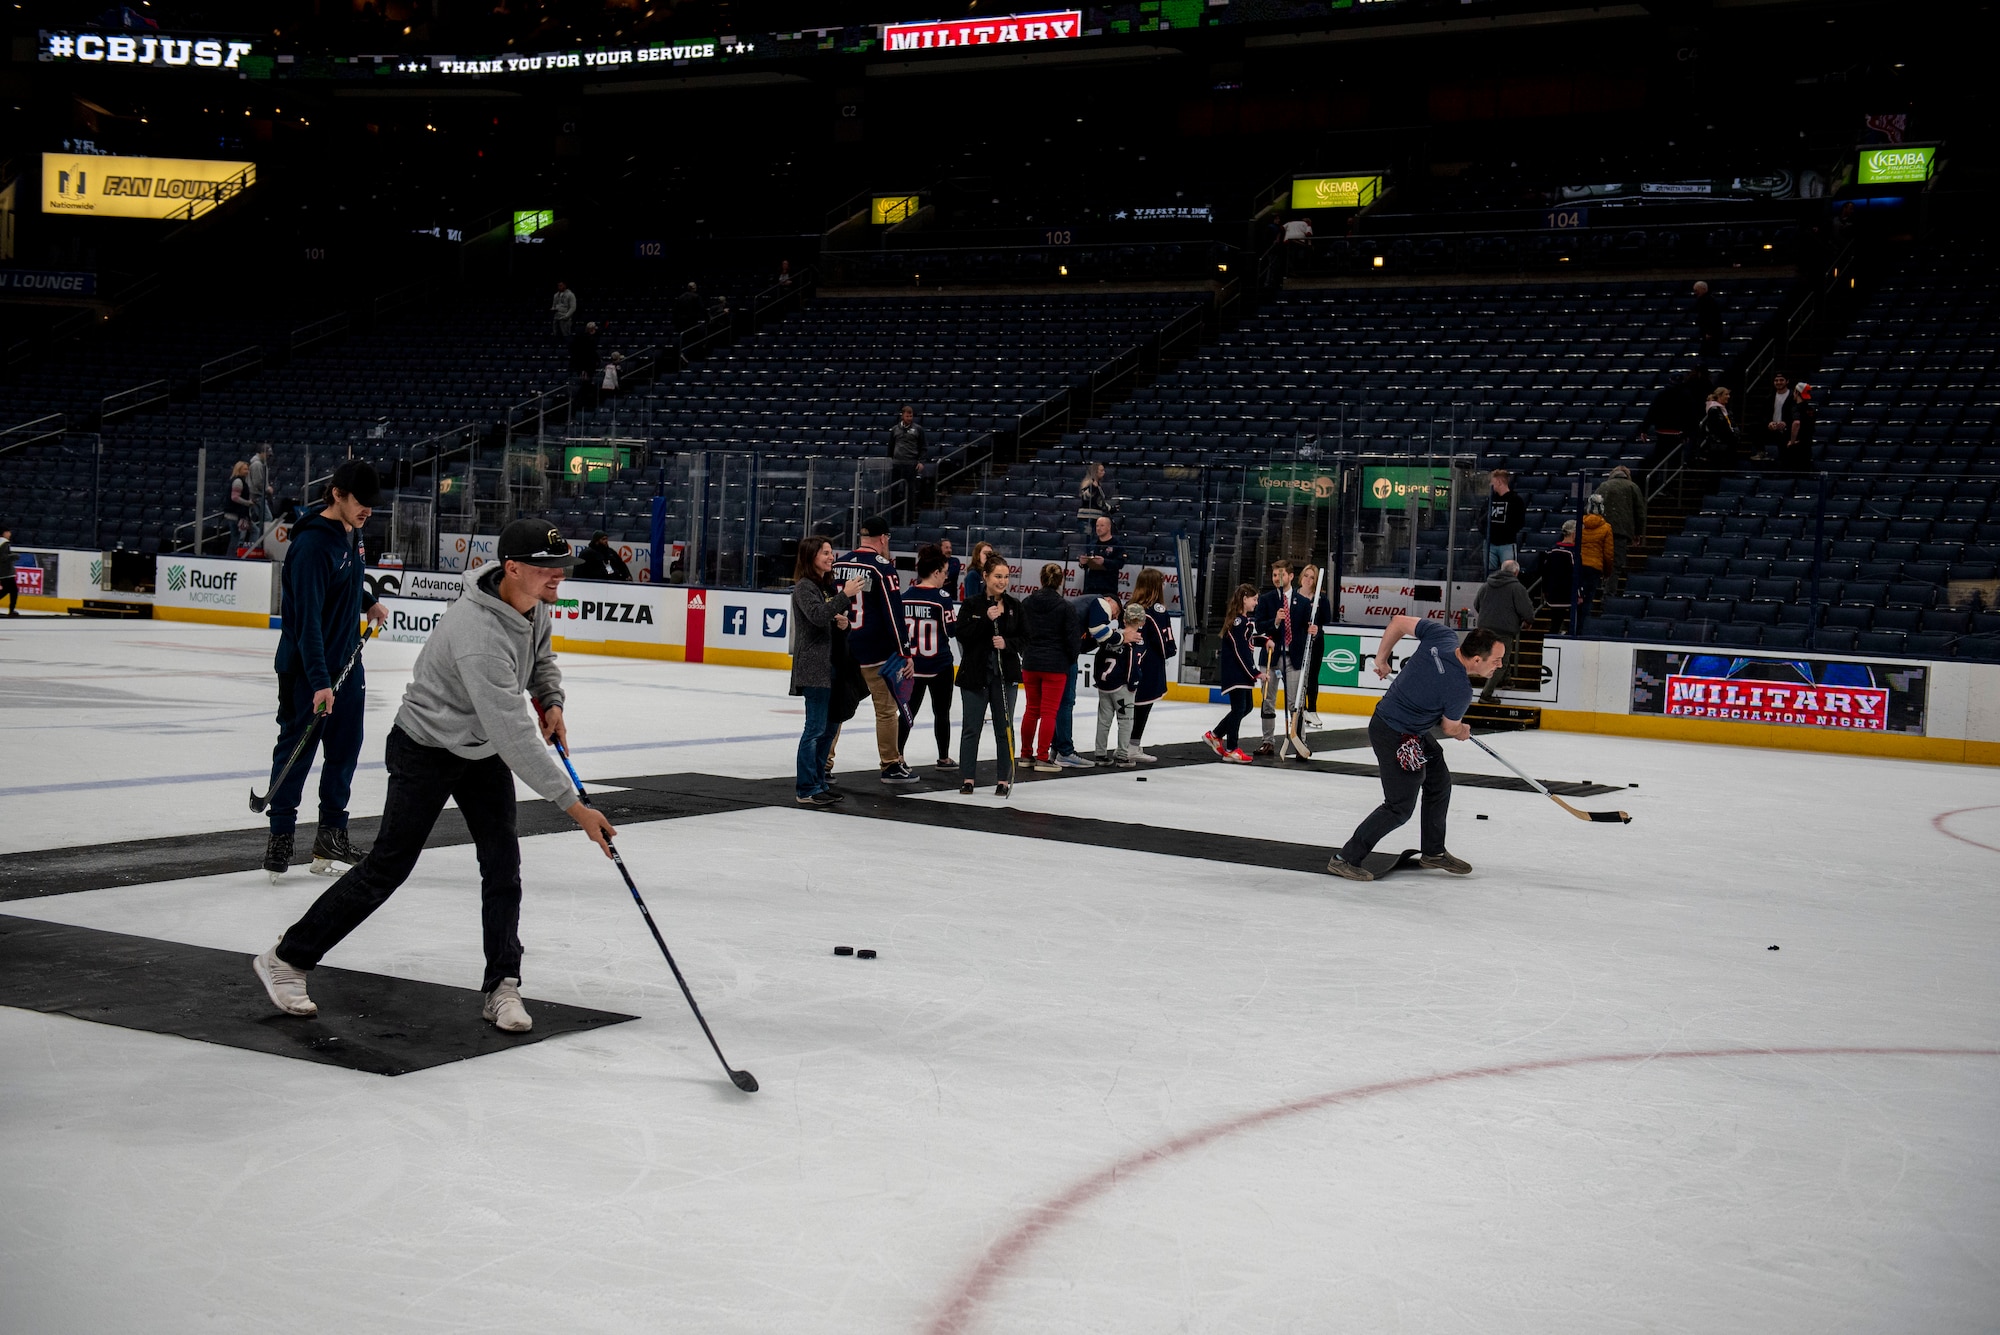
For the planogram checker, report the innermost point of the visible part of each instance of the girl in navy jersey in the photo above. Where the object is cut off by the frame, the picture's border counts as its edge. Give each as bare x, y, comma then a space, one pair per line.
1238, 660
928, 611
1150, 655
974, 583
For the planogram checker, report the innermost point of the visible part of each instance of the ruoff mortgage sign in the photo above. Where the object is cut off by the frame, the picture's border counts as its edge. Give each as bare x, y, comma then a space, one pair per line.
152, 50
1059, 25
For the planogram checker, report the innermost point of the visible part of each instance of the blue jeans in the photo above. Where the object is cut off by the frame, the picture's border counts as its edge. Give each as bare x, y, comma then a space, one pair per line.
1496, 552
339, 745
816, 741
1065, 739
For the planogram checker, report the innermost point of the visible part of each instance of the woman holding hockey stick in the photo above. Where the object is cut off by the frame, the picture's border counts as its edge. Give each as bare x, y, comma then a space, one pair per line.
1238, 661
463, 734
1433, 690
989, 675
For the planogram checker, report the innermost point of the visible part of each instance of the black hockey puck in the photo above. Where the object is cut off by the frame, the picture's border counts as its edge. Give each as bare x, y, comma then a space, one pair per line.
1631, 785
864, 954
843, 950
1770, 947
1479, 818
1142, 778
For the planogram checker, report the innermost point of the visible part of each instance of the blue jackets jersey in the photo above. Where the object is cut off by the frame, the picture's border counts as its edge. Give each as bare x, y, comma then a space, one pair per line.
927, 618
1289, 641
1431, 684
1112, 669
324, 597
1155, 647
1238, 655
875, 622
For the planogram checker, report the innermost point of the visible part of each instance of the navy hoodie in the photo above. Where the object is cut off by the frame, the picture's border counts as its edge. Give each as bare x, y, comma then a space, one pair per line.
324, 597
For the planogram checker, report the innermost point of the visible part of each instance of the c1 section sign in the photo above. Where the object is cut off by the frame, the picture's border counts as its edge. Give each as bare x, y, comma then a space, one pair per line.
1791, 692
1058, 25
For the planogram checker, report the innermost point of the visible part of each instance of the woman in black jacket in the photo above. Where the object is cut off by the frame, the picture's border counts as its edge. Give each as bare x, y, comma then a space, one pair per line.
989, 673
819, 617
1048, 662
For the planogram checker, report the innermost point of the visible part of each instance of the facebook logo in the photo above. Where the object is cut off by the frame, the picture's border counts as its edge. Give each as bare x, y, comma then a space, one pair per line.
735, 621
774, 623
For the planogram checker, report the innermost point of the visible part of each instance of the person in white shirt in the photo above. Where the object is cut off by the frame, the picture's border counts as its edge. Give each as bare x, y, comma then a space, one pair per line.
1779, 433
562, 306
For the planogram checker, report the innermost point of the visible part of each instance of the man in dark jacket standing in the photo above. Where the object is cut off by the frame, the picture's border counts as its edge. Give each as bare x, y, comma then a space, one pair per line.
906, 462
1506, 513
1102, 560
1708, 323
1503, 607
1625, 511
324, 597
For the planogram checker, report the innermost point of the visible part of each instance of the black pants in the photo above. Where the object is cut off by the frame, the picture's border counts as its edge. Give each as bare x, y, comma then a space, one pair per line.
938, 690
907, 497
421, 778
12, 588
1228, 730
1400, 788
339, 745
1140, 713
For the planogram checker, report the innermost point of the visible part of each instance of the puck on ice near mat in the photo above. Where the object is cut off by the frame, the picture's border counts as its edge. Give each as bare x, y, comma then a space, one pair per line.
1142, 778
843, 950
1770, 947
864, 954
1479, 818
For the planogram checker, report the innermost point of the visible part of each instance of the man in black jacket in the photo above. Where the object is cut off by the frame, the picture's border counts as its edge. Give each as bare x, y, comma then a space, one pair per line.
906, 462
602, 561
1506, 514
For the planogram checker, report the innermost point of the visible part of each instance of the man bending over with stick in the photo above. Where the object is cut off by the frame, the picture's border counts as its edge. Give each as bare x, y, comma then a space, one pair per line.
1433, 690
463, 734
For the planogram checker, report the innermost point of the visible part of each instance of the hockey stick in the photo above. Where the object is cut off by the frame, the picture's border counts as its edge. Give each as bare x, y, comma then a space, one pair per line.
1607, 817
257, 803
1013, 760
743, 1080
1295, 718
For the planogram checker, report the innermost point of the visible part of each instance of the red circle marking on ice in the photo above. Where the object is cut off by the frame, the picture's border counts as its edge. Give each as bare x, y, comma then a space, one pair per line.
984, 1277
1938, 823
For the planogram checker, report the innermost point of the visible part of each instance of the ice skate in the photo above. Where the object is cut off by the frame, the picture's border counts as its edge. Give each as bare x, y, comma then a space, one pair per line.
332, 854
278, 855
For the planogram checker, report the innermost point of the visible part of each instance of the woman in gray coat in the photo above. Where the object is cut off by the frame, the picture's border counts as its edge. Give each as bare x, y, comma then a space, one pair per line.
819, 611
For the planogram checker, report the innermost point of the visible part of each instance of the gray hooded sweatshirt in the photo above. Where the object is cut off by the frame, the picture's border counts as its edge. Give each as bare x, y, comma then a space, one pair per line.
465, 692
1503, 606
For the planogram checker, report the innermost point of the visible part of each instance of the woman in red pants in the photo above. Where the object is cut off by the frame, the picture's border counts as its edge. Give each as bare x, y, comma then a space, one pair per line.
1054, 636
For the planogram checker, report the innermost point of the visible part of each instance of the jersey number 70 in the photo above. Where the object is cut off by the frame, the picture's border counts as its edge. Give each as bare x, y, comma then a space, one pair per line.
922, 635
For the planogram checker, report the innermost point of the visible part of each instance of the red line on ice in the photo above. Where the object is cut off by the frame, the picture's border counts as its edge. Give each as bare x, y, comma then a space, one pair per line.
979, 1282
1938, 822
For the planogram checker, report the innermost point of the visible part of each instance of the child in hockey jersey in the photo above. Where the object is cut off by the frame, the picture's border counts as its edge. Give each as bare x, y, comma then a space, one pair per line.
1149, 655
928, 611
1238, 660
1113, 672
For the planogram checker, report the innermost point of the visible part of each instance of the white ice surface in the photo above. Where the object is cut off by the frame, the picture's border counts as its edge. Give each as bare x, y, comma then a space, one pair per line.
1041, 1011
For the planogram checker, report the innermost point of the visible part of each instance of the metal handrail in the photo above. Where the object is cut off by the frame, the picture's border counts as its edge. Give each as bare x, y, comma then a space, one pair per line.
1789, 324
223, 367
33, 432
318, 331
142, 396
224, 192
396, 298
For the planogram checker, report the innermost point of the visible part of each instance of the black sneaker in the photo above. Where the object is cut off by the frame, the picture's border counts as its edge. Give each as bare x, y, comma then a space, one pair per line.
967, 788
330, 847
820, 800
278, 855
898, 775
1348, 869
1445, 862
946, 762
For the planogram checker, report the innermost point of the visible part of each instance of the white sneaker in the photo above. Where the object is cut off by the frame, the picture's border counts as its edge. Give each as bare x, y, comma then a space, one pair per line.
1143, 756
503, 1007
285, 985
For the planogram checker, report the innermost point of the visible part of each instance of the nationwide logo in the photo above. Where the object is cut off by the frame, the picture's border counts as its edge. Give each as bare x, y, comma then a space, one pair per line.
1051, 27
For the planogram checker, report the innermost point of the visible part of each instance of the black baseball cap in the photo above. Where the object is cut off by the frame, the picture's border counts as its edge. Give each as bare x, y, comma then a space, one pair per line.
358, 478
874, 526
535, 542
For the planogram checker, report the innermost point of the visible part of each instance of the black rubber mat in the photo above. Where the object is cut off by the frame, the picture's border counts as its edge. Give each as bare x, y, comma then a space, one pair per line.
366, 1022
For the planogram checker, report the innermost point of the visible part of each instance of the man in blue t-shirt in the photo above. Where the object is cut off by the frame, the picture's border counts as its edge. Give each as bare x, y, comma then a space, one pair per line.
1433, 690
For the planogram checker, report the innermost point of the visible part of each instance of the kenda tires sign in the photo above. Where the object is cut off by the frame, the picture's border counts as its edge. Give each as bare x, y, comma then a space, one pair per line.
1837, 694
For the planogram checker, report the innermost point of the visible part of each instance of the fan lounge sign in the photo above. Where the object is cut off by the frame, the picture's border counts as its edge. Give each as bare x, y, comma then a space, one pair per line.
151, 50
982, 32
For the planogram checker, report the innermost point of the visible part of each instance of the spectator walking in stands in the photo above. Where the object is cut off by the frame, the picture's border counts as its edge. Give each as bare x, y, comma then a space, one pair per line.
1675, 413
1155, 647
927, 614
1717, 447
1298, 235
875, 638
1092, 501
1594, 551
989, 673
583, 361
261, 491
1625, 511
1102, 560
689, 311
608, 385
562, 307
1284, 628
1506, 514
1558, 570
1051, 634
785, 275
10, 583
1503, 607
1238, 660
602, 561
906, 462
1796, 455
237, 504
819, 614
1708, 323
1775, 439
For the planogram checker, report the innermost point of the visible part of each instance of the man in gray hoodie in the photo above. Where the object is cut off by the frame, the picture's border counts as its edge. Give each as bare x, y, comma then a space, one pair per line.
464, 734
1503, 607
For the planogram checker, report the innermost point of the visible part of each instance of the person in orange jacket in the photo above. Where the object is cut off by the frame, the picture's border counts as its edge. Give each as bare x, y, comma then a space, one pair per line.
1594, 549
